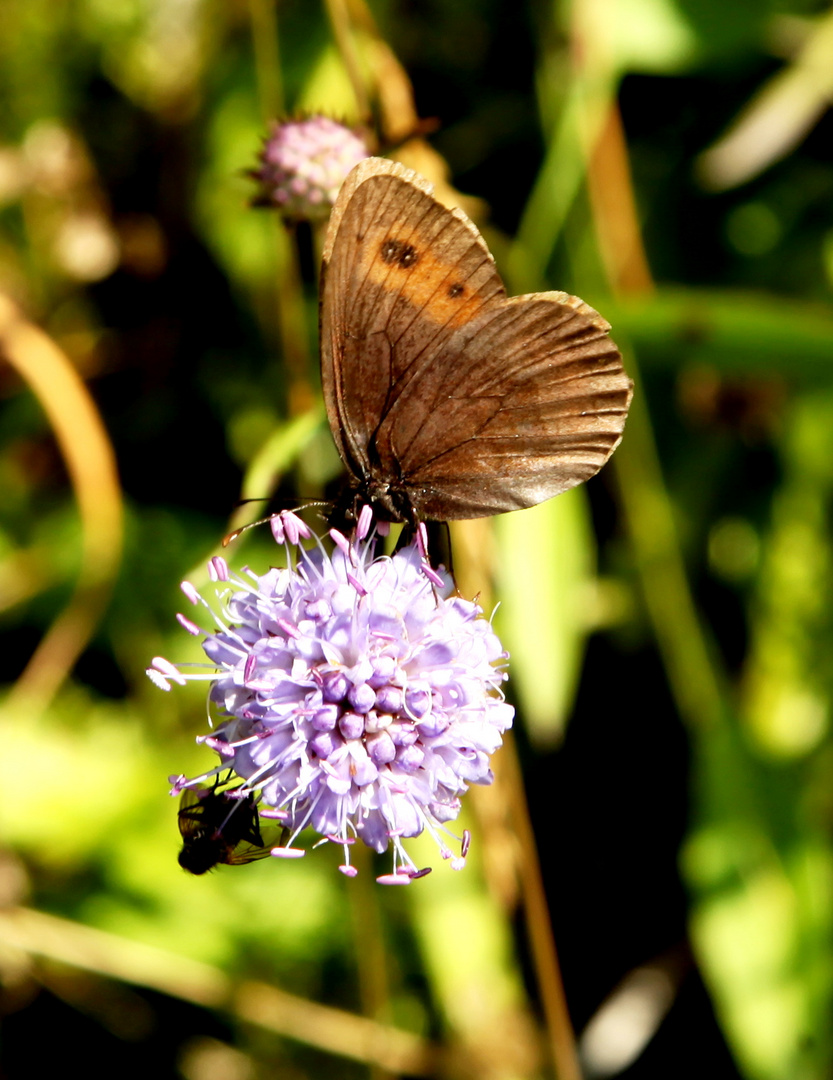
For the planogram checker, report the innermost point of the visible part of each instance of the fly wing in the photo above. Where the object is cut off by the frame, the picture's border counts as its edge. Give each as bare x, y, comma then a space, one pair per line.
189, 815
246, 853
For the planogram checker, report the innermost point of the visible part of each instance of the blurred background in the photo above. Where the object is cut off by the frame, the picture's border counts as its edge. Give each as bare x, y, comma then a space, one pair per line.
670, 625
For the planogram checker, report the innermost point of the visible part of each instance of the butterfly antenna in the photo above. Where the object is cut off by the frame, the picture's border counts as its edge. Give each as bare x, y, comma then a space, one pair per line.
235, 533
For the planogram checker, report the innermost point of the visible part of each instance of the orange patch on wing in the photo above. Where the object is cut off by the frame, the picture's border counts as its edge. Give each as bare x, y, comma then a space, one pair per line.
407, 265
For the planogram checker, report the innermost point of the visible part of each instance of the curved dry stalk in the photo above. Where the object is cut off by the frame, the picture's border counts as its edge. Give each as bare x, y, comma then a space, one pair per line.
343, 34
91, 465
562, 1040
694, 673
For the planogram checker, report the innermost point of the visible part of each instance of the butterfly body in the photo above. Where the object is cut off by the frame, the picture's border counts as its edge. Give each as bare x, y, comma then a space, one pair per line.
217, 828
447, 399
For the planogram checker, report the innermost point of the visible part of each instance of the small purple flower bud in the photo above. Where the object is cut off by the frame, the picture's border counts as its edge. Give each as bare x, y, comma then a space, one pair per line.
294, 527
381, 748
303, 164
351, 725
417, 702
334, 686
324, 743
362, 769
432, 725
218, 569
403, 733
410, 758
190, 592
382, 671
363, 525
325, 718
362, 697
341, 542
375, 721
389, 699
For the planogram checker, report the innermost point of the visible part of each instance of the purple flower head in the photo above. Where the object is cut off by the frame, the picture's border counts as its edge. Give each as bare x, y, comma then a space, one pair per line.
351, 693
303, 164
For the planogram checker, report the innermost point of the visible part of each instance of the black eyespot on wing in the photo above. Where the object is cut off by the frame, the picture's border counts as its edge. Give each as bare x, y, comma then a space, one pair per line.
397, 251
456, 290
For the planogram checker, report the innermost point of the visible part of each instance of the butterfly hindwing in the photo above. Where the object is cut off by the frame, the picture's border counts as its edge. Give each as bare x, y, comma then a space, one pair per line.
537, 404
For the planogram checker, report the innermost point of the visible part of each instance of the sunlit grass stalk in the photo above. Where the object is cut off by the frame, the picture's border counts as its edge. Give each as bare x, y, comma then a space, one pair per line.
265, 471
291, 329
558, 182
292, 320
370, 945
470, 541
304, 418
266, 48
542, 945
345, 41
691, 666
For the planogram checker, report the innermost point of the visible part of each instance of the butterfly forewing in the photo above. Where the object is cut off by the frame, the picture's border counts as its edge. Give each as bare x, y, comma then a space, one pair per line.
439, 388
396, 255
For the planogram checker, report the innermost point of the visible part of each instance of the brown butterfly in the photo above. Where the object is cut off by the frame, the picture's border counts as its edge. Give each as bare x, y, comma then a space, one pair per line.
218, 827
446, 398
